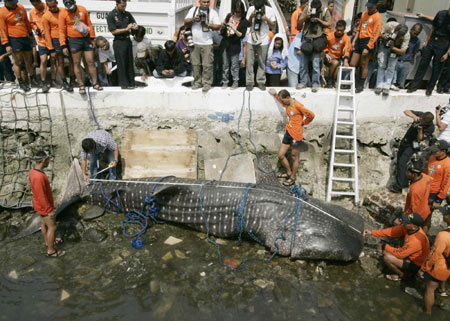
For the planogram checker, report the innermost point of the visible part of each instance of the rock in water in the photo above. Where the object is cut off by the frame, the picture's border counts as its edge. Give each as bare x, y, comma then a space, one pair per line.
413, 292
93, 212
172, 240
93, 235
13, 275
232, 262
64, 295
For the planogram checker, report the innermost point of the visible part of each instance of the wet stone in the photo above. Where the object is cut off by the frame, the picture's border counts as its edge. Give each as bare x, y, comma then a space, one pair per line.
168, 256
27, 260
3, 231
324, 302
154, 286
237, 281
94, 235
92, 213
369, 266
5, 215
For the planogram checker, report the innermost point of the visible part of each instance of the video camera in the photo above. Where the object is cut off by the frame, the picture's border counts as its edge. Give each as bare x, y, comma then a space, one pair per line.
315, 14
390, 38
443, 110
259, 13
203, 19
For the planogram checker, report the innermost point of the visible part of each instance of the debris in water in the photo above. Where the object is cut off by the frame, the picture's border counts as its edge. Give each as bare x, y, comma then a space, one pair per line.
180, 254
64, 295
413, 292
172, 240
232, 262
202, 274
168, 256
221, 242
13, 275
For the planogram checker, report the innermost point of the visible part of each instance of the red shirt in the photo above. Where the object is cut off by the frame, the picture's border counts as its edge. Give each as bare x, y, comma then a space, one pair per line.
42, 194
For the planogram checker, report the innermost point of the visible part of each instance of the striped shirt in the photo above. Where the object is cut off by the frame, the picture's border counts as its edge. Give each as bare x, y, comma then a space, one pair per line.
103, 141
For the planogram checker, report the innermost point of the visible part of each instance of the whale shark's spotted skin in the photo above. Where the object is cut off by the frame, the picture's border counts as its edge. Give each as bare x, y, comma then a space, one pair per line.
323, 231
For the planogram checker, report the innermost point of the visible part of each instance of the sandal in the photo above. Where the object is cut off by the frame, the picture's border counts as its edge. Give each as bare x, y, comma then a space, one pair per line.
82, 90
56, 254
443, 293
283, 175
289, 182
97, 87
58, 241
393, 277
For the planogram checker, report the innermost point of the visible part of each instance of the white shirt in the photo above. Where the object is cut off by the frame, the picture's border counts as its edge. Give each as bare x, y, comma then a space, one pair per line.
445, 134
264, 31
200, 37
106, 55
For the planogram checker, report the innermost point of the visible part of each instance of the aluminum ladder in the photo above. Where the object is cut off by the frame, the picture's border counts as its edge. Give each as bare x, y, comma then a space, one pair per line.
344, 136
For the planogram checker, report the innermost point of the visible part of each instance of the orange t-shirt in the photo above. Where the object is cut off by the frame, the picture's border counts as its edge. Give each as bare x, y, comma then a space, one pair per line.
416, 246
14, 23
370, 27
67, 23
417, 198
297, 115
338, 47
51, 29
439, 170
294, 22
42, 193
36, 22
435, 264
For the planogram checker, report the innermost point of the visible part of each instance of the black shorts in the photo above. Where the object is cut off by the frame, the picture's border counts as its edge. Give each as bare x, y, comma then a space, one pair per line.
80, 44
43, 51
288, 140
56, 45
429, 277
410, 266
361, 44
432, 198
20, 44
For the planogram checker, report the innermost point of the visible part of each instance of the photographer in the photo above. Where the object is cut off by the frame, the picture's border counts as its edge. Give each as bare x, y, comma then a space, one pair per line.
314, 42
120, 24
394, 43
421, 129
442, 121
201, 21
261, 18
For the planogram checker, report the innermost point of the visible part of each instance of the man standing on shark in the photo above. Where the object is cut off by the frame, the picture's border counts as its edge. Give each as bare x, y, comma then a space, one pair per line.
43, 202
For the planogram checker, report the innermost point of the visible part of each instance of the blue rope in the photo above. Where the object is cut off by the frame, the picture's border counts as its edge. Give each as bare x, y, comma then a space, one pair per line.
92, 108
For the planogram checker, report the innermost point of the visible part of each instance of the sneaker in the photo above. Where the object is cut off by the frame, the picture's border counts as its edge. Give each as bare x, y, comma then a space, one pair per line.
314, 89
428, 92
359, 90
300, 86
262, 87
195, 87
34, 82
23, 86
395, 189
73, 83
439, 91
45, 87
385, 92
378, 91
206, 88
394, 88
224, 86
54, 84
249, 87
67, 86
411, 90
235, 86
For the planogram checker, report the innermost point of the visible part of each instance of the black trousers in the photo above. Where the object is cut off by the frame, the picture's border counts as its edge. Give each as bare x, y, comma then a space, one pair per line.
444, 80
123, 52
273, 80
435, 49
404, 154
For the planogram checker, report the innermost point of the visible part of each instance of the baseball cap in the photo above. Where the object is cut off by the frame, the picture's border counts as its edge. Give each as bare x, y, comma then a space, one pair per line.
371, 3
439, 145
445, 210
412, 218
12, 1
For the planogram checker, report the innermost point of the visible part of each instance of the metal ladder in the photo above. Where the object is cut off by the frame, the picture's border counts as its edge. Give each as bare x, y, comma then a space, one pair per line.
344, 131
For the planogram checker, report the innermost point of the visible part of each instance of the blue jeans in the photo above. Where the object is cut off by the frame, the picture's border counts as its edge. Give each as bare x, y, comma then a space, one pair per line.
304, 69
292, 78
94, 164
386, 67
401, 72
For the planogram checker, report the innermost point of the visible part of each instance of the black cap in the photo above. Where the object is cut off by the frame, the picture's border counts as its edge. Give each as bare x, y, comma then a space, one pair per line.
41, 156
445, 210
371, 3
440, 145
413, 218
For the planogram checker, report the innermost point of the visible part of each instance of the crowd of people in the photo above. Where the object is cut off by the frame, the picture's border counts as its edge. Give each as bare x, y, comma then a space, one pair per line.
242, 50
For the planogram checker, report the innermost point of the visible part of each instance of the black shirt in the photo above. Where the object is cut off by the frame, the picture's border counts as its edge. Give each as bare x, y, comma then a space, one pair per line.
441, 24
119, 20
411, 134
232, 43
177, 62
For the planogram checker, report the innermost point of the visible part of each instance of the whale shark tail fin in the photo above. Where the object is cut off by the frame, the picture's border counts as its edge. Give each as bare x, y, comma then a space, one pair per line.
75, 183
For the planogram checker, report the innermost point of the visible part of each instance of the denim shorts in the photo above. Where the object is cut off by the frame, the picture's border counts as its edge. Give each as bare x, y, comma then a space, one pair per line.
20, 44
56, 45
43, 51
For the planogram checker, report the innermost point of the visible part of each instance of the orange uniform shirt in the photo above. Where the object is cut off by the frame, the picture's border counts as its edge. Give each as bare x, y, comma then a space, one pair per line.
67, 23
36, 22
14, 23
338, 47
294, 22
439, 170
370, 27
416, 246
417, 198
51, 29
42, 193
435, 264
297, 115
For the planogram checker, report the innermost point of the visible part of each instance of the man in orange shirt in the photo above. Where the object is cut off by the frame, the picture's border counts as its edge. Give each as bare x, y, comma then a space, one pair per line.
415, 249
337, 51
363, 44
439, 169
294, 19
296, 116
43, 202
51, 34
436, 269
15, 31
77, 34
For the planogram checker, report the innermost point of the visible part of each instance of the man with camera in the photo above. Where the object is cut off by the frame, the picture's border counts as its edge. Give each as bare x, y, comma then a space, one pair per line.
260, 17
201, 21
421, 129
314, 42
120, 24
442, 121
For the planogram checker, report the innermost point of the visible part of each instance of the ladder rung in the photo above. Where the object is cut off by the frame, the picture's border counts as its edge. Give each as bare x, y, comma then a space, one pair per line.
343, 165
345, 109
345, 136
344, 122
343, 193
346, 82
343, 179
346, 94
344, 151
347, 68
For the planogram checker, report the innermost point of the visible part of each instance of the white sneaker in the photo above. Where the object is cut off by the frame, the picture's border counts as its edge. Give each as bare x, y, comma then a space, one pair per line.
301, 86
394, 88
